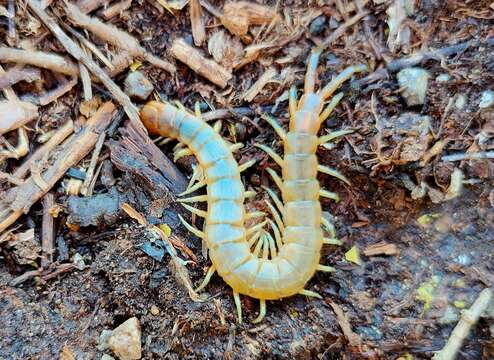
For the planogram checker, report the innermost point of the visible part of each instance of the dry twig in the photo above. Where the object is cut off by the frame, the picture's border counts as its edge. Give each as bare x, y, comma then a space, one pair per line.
47, 230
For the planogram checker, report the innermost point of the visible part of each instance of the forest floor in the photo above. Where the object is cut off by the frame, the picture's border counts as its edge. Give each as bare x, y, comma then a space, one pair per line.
83, 189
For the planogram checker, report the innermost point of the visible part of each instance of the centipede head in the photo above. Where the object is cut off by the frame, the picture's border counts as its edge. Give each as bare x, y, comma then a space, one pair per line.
150, 116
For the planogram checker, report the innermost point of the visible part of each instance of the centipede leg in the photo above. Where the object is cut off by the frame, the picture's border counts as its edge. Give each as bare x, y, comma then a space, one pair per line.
325, 268
333, 135
346, 74
271, 153
246, 165
236, 147
329, 109
191, 228
274, 124
238, 305
276, 178
276, 215
332, 172
277, 234
329, 195
262, 311
310, 293
250, 194
193, 188
328, 226
181, 153
194, 210
193, 199
207, 278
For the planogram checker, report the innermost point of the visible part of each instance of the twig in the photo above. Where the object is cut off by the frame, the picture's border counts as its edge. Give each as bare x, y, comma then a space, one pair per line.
14, 114
14, 75
11, 17
468, 319
60, 135
353, 339
115, 36
19, 200
77, 53
45, 274
194, 59
86, 6
414, 59
197, 22
335, 35
40, 59
47, 230
92, 165
469, 156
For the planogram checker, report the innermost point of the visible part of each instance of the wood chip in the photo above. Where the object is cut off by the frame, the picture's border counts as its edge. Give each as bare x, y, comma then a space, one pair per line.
14, 114
197, 22
381, 248
194, 59
238, 16
256, 88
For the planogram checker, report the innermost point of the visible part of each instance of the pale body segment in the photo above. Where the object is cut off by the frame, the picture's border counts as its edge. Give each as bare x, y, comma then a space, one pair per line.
287, 264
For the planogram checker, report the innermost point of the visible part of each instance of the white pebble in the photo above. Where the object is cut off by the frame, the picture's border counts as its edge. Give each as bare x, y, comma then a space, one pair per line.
487, 99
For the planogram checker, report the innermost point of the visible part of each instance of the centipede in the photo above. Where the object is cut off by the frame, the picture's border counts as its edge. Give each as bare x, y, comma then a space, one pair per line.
265, 265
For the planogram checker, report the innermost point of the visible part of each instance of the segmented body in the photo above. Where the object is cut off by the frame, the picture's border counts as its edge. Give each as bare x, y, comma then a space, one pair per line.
295, 258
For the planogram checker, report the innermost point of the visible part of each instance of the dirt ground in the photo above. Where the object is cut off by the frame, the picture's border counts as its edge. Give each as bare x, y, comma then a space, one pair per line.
433, 217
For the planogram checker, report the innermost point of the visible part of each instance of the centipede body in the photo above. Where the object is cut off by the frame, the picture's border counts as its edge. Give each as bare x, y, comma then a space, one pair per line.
287, 264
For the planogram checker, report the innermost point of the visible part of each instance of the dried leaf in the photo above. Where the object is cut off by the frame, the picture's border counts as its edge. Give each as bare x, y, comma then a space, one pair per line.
226, 50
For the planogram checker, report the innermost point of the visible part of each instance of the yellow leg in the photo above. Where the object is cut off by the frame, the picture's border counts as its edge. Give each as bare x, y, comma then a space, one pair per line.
193, 199
329, 109
238, 305
310, 293
207, 278
193, 188
346, 74
332, 172
262, 312
246, 165
274, 124
325, 268
192, 229
329, 195
333, 135
194, 210
311, 74
271, 153
276, 178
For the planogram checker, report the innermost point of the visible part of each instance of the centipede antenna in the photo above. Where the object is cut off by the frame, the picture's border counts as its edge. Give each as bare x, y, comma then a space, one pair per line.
276, 199
250, 194
310, 293
346, 74
329, 195
328, 226
331, 241
254, 214
310, 75
207, 278
276, 215
292, 100
277, 234
181, 153
238, 305
196, 211
193, 188
271, 153
274, 124
255, 228
276, 178
217, 126
325, 268
332, 172
236, 146
193, 199
328, 110
192, 229
262, 312
197, 109
246, 165
333, 135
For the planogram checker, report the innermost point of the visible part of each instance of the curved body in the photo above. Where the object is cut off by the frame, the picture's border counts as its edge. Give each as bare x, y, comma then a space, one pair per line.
225, 235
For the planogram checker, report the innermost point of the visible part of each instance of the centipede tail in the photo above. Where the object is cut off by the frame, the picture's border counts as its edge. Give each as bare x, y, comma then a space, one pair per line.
251, 261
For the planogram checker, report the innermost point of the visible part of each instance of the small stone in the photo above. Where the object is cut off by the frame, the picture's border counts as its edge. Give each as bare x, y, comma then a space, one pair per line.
317, 25
103, 340
443, 78
78, 261
487, 99
451, 315
461, 101
413, 81
154, 310
137, 86
107, 357
125, 340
